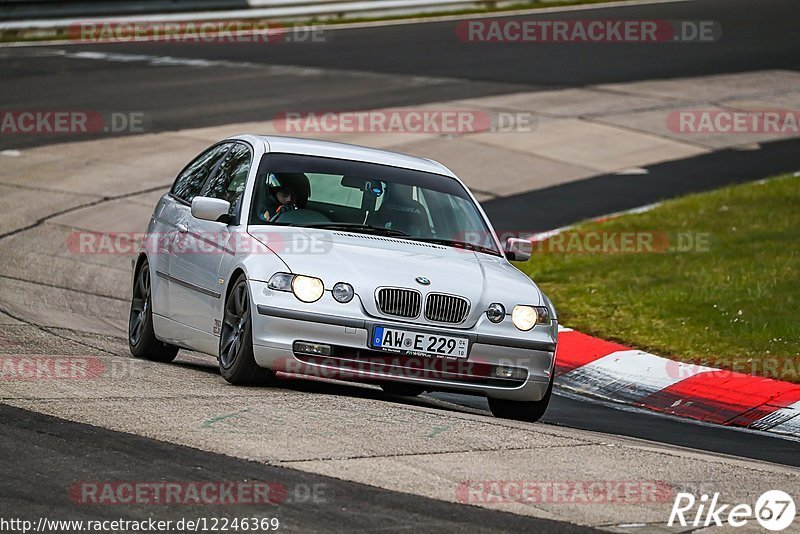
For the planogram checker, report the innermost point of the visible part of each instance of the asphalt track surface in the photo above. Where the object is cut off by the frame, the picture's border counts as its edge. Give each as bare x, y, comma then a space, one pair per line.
59, 453
368, 68
375, 65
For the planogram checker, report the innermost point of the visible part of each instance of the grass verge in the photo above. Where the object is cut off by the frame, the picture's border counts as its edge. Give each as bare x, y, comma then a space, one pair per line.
714, 279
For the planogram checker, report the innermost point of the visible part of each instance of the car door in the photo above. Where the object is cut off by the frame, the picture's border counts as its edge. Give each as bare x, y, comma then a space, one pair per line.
173, 216
198, 304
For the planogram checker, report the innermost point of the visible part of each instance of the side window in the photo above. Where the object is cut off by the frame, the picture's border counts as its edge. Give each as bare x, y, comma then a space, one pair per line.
190, 181
230, 180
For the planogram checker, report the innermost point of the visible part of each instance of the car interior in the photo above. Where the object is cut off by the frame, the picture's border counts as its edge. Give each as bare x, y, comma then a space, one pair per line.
327, 198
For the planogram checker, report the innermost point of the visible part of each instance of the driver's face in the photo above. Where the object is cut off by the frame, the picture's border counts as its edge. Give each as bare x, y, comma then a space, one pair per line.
286, 196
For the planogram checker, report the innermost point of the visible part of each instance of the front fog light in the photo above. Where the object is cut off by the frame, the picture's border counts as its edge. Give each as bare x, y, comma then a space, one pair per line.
515, 373
312, 348
307, 288
526, 317
496, 312
342, 292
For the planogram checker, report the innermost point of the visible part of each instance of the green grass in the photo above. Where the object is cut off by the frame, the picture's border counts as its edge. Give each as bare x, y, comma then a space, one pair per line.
735, 305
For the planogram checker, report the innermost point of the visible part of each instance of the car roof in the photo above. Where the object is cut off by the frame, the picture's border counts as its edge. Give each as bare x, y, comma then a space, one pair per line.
329, 149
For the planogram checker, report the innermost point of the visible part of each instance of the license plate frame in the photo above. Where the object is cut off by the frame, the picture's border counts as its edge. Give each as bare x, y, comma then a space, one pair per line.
411, 341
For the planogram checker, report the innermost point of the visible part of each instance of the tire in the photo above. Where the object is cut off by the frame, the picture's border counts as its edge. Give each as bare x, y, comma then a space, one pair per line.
237, 365
530, 411
404, 390
142, 339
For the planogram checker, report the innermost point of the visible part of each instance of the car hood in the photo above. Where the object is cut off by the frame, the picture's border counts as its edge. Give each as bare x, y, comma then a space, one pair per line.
368, 262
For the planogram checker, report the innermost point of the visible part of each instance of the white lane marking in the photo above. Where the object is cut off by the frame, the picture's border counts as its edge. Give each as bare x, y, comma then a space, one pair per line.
633, 211
276, 70
156, 60
633, 171
541, 236
10, 153
147, 58
628, 375
749, 147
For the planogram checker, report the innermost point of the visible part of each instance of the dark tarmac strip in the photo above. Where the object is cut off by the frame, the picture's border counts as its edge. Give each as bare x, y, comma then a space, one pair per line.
42, 457
554, 207
587, 414
752, 38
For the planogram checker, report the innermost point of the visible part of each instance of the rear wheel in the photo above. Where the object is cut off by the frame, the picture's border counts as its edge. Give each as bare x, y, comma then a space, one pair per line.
530, 411
142, 339
405, 390
237, 363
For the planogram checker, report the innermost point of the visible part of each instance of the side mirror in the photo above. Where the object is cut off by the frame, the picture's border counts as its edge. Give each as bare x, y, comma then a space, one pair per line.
518, 249
211, 209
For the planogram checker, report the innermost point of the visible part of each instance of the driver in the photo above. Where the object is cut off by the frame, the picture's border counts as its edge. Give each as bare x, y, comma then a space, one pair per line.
285, 192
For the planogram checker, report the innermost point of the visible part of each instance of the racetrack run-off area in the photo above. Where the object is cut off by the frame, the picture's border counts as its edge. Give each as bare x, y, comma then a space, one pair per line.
600, 142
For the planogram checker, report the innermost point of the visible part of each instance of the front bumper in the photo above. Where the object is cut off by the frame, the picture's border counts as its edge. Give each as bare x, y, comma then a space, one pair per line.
282, 321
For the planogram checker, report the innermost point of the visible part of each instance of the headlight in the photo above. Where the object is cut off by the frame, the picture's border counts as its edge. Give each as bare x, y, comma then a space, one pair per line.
342, 292
496, 312
307, 288
526, 317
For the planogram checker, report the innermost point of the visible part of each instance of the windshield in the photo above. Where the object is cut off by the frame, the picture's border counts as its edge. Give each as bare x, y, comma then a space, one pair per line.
352, 196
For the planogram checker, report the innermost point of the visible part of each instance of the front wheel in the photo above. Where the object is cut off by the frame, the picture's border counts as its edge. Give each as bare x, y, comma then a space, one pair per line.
142, 339
237, 363
530, 411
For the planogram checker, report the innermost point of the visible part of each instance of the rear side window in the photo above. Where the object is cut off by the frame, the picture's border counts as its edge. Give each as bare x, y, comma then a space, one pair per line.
190, 181
229, 181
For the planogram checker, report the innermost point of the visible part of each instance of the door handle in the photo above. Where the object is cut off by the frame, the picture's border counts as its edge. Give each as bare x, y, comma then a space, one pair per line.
182, 228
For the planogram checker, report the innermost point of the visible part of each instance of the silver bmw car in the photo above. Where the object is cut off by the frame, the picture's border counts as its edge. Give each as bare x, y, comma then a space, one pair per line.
309, 258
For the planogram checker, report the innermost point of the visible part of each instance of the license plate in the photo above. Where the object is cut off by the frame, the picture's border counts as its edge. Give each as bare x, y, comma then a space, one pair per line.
418, 343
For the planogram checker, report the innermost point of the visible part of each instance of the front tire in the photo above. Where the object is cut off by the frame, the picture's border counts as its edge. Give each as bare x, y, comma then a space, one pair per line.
530, 411
237, 364
142, 339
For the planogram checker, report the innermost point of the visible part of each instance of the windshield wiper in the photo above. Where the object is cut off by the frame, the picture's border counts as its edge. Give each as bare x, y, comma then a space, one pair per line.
457, 244
356, 227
